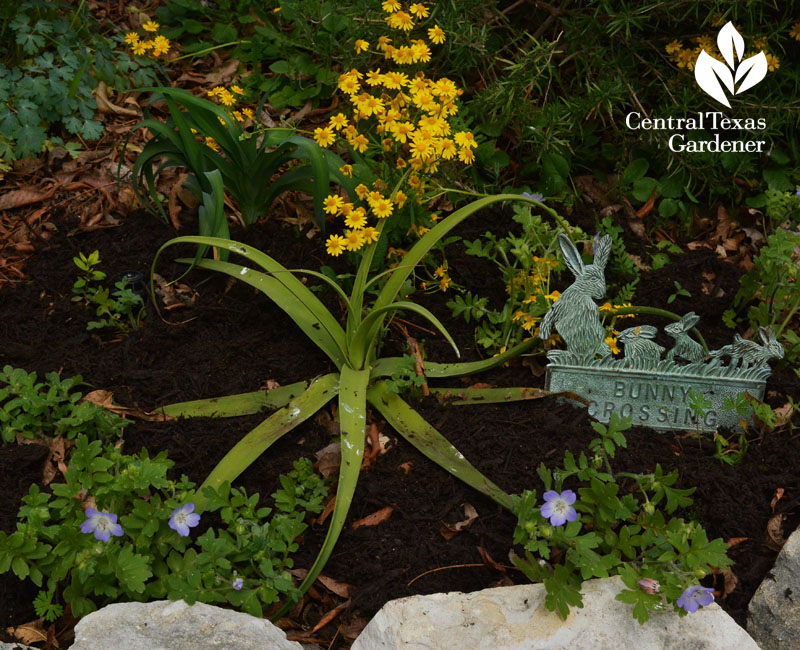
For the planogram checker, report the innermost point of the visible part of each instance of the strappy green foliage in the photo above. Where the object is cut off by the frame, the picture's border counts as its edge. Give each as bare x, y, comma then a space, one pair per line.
358, 382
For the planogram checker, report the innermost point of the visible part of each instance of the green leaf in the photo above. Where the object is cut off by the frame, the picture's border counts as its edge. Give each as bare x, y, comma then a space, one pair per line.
30, 140
562, 591
636, 170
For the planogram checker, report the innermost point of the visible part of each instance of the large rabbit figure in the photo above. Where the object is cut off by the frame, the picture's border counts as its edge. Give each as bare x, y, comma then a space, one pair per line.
575, 315
685, 347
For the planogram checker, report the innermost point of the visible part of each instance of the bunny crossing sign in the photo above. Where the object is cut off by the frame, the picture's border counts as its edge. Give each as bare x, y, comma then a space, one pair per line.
684, 387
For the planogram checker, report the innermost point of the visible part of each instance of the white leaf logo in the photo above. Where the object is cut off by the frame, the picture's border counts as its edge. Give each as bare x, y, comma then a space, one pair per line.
712, 75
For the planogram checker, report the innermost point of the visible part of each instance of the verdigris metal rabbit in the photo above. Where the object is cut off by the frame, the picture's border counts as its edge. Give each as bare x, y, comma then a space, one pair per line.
575, 315
638, 344
685, 347
749, 353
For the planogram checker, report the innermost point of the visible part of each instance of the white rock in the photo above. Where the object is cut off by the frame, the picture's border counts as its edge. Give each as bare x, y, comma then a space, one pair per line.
15, 646
774, 611
165, 625
514, 618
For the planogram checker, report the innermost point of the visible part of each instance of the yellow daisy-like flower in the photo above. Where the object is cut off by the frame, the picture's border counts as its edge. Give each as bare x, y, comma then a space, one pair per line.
335, 245
673, 47
374, 77
131, 38
161, 45
444, 283
347, 170
212, 144
400, 198
346, 209
361, 191
324, 136
440, 272
353, 239
390, 6
686, 59
465, 139
466, 156
395, 80
420, 11
772, 62
436, 35
361, 45
555, 295
422, 52
401, 20
370, 234
421, 230
357, 219
338, 121
238, 116
333, 203
403, 55
359, 143
382, 208
612, 343
705, 42
795, 32
226, 97
237, 89
140, 47
248, 112
400, 164
760, 43
150, 26
349, 85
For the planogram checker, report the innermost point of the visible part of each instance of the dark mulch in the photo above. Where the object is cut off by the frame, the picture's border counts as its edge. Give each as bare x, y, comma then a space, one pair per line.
234, 340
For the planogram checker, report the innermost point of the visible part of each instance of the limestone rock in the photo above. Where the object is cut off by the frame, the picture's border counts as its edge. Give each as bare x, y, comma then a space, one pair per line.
514, 618
774, 611
15, 646
165, 625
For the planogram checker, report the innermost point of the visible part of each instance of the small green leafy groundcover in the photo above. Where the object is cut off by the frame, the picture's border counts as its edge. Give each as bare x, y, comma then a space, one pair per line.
51, 408
603, 531
134, 541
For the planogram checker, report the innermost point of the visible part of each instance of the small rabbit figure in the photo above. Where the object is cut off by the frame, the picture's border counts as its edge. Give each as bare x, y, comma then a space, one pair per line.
574, 314
685, 347
746, 354
638, 344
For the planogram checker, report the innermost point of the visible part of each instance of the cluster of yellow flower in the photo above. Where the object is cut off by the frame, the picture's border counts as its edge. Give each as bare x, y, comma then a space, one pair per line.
686, 57
158, 45
794, 32
401, 121
227, 98
533, 285
607, 307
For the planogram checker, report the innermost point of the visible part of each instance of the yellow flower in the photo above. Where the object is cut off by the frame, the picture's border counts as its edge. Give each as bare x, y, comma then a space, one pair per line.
374, 77
447, 149
324, 136
338, 121
612, 343
160, 45
361, 45
420, 11
673, 47
440, 272
465, 139
335, 245
400, 164
348, 84
760, 43
553, 296
390, 6
238, 116
395, 80
420, 149
436, 34
421, 230
403, 55
795, 32
353, 239
226, 97
346, 209
212, 144
400, 20
361, 191
422, 53
382, 208
371, 234
466, 156
444, 283
359, 143
131, 38
150, 26
140, 47
434, 216
248, 112
772, 62
347, 170
357, 219
333, 203
686, 59
400, 198
237, 89
705, 42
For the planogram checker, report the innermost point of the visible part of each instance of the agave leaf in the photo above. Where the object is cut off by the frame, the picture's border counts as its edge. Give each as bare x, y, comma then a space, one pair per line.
411, 425
211, 215
235, 405
243, 453
462, 396
353, 422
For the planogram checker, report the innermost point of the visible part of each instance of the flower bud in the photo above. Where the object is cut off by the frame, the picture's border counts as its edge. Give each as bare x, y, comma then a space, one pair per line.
547, 532
649, 586
700, 572
649, 508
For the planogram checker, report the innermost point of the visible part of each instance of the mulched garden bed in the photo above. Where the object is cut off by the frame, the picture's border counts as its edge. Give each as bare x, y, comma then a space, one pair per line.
234, 340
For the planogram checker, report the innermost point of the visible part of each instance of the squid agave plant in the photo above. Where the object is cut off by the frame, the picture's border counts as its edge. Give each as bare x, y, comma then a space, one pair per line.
360, 379
240, 161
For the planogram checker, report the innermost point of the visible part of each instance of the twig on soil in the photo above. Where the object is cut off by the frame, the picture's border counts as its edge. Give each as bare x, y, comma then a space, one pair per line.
444, 568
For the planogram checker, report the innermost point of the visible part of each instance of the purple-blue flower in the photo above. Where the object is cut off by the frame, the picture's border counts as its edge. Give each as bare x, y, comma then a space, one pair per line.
798, 194
102, 524
237, 584
694, 597
536, 196
183, 518
558, 507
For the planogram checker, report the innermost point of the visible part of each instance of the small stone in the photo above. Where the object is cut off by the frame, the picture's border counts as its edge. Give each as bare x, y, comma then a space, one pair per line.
166, 625
774, 611
514, 618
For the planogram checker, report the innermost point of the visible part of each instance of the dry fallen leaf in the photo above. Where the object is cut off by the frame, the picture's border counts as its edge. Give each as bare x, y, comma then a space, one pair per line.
329, 459
19, 198
341, 589
104, 398
27, 633
406, 467
375, 518
489, 562
735, 541
105, 105
449, 531
330, 616
730, 583
776, 497
775, 539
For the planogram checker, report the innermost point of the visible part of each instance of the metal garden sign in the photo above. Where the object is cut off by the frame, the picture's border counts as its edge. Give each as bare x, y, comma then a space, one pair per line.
680, 388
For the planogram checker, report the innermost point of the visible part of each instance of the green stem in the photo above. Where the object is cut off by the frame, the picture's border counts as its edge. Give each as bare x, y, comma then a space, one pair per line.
209, 49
